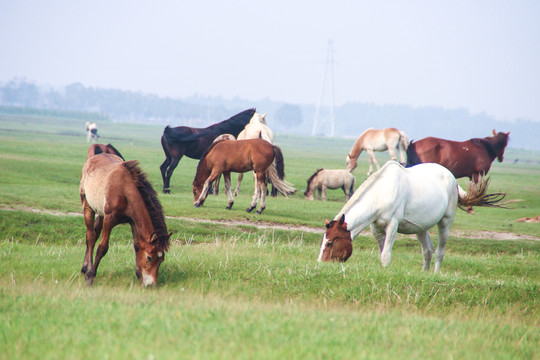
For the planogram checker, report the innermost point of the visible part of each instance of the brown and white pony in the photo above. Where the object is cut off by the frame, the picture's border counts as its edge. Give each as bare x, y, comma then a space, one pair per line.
471, 158
240, 156
118, 192
371, 140
324, 179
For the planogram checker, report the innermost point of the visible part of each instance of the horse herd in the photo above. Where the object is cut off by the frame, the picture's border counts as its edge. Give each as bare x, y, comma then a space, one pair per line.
407, 200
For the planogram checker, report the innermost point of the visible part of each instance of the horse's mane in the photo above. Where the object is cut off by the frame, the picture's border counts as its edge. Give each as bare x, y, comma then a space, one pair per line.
364, 187
116, 152
487, 144
151, 201
313, 177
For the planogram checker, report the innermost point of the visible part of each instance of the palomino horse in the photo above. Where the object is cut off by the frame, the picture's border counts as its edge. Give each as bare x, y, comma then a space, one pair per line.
255, 129
119, 192
97, 149
471, 158
324, 179
193, 142
405, 200
378, 140
240, 156
91, 129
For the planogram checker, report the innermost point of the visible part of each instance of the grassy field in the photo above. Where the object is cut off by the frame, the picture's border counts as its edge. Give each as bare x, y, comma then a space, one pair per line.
250, 290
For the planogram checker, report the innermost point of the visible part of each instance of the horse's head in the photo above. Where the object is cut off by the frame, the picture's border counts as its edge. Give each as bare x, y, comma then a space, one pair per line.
197, 191
502, 141
336, 244
351, 163
148, 257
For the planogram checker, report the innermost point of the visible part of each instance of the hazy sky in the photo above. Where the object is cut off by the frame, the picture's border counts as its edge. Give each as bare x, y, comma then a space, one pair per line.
480, 55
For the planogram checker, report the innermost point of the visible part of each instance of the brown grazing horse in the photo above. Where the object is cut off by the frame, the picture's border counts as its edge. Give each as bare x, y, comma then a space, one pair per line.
470, 158
97, 149
118, 192
241, 156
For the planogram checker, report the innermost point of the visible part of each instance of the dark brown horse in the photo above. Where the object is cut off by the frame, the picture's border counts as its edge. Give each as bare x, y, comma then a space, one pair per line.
118, 192
239, 156
97, 149
193, 142
470, 158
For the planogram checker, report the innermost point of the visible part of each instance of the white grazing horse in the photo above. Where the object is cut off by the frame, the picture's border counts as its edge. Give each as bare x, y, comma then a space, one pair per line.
405, 200
371, 140
91, 129
255, 129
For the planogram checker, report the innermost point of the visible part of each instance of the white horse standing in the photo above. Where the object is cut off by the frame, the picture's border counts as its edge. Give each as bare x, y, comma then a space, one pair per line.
405, 200
91, 129
371, 140
255, 129
324, 179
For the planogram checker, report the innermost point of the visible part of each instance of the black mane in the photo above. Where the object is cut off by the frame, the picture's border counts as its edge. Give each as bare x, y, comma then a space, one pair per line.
311, 179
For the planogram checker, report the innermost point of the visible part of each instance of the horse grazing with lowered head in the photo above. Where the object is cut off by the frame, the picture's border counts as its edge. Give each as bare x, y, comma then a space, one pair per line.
193, 142
255, 129
324, 179
405, 200
371, 140
97, 149
471, 158
118, 192
228, 156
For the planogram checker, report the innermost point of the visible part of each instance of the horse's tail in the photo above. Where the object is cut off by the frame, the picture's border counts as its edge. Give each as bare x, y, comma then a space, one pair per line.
403, 140
276, 173
412, 155
476, 195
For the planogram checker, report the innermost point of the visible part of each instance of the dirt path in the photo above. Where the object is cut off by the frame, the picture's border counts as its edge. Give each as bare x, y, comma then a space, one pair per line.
266, 225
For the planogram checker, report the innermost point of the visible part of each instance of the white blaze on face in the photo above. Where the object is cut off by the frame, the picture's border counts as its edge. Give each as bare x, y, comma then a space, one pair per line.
323, 245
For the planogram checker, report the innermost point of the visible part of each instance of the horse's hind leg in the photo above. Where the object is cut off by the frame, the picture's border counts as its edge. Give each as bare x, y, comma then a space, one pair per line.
91, 236
263, 190
427, 248
444, 232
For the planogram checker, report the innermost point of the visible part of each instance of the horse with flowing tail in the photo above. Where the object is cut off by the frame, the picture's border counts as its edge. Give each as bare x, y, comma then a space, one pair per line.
228, 156
256, 129
193, 142
371, 140
118, 192
97, 149
324, 179
405, 200
471, 158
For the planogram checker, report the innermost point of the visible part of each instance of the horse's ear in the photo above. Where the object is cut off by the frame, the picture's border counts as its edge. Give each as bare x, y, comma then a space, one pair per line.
153, 237
327, 223
341, 220
508, 133
494, 132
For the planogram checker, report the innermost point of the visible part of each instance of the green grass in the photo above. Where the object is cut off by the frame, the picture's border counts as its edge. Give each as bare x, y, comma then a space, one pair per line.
244, 292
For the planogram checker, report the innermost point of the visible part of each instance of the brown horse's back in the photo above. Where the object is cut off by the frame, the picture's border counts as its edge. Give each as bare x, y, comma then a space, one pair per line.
101, 175
259, 154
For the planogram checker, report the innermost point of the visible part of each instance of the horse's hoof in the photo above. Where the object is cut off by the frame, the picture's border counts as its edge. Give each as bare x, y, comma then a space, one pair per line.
166, 191
84, 269
259, 212
229, 206
89, 279
250, 209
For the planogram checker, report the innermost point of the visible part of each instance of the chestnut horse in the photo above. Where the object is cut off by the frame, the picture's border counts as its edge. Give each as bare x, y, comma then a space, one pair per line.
118, 192
324, 179
229, 156
405, 200
100, 149
193, 142
470, 158
371, 140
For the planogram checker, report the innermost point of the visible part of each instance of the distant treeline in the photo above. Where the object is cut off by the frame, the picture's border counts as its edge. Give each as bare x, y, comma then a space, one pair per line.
351, 119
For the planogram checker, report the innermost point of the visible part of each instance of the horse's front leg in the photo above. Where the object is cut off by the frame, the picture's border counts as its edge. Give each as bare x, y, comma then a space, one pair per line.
379, 236
323, 188
256, 196
392, 152
319, 193
103, 247
91, 237
230, 197
390, 238
372, 160
240, 177
427, 248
